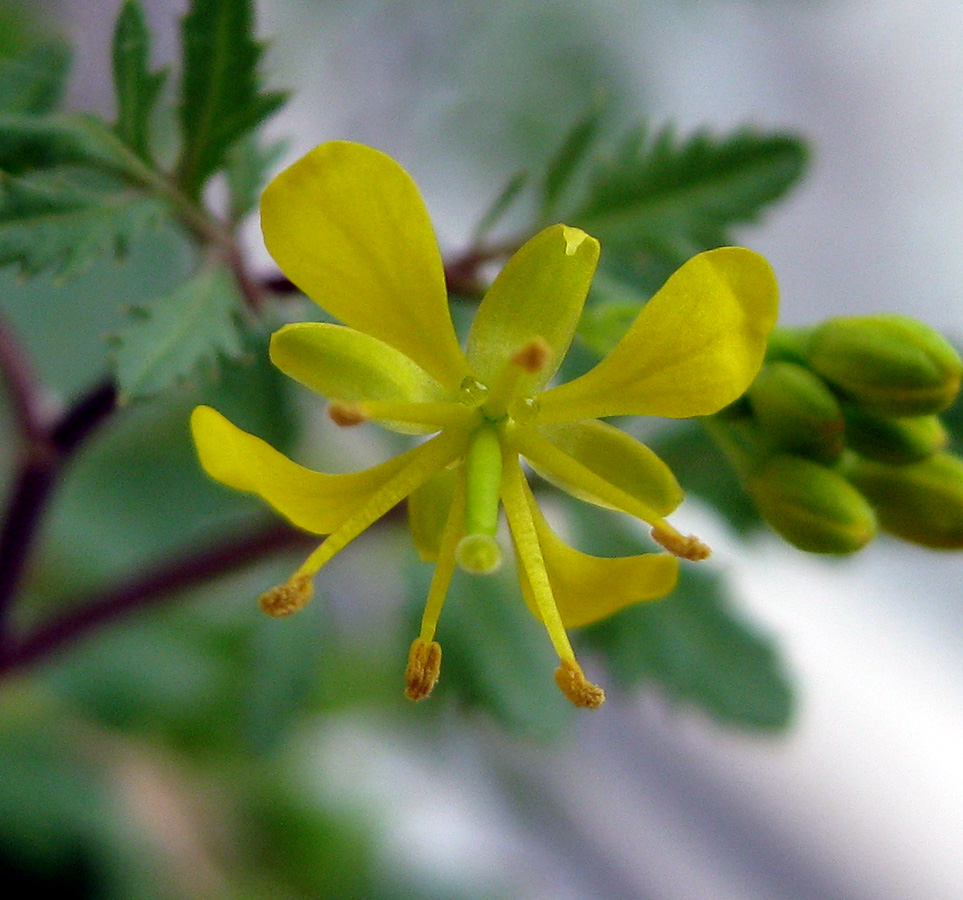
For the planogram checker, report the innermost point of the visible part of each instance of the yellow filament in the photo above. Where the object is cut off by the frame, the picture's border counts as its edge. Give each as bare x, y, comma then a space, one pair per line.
445, 567
437, 413
530, 554
431, 456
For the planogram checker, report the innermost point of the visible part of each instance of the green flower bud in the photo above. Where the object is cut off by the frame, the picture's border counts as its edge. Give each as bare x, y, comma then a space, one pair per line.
921, 502
897, 441
888, 364
812, 507
797, 411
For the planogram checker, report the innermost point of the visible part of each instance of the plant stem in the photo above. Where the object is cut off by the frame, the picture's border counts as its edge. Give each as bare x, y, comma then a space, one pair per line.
47, 447
87, 614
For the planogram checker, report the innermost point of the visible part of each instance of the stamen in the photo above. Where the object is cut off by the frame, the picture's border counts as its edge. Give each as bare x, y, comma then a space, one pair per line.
427, 459
683, 546
573, 683
347, 415
424, 666
289, 597
534, 356
528, 359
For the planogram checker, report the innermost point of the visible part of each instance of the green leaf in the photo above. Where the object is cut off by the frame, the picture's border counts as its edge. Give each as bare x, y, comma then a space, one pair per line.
32, 81
500, 205
30, 142
135, 85
221, 99
248, 164
570, 156
169, 338
54, 221
676, 198
693, 647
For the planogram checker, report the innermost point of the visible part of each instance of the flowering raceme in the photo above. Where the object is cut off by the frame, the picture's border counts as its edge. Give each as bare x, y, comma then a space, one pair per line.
347, 225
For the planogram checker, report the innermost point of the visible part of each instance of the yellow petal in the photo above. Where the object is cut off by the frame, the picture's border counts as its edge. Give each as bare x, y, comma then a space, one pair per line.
538, 294
694, 347
589, 588
349, 366
314, 501
347, 225
618, 458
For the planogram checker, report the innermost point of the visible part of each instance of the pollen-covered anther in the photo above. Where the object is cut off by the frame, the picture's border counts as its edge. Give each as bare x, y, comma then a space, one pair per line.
572, 682
684, 546
533, 356
346, 414
424, 665
289, 597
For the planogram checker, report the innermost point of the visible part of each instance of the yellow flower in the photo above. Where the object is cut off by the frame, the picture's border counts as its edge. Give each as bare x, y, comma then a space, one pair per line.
347, 225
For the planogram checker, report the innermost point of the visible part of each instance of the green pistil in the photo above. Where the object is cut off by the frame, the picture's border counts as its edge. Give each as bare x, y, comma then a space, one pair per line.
478, 551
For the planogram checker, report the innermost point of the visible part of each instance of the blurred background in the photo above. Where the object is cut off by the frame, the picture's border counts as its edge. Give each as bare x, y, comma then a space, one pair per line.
117, 761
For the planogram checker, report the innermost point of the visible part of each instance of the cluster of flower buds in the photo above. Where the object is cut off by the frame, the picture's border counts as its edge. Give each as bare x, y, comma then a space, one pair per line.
840, 435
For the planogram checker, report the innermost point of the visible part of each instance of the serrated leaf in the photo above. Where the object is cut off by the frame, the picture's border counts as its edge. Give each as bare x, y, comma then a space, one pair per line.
694, 649
32, 81
500, 205
51, 221
173, 335
570, 156
136, 86
221, 99
676, 198
248, 164
40, 142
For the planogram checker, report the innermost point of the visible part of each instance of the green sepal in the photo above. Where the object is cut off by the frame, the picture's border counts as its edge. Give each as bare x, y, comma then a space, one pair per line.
896, 441
811, 506
921, 502
797, 412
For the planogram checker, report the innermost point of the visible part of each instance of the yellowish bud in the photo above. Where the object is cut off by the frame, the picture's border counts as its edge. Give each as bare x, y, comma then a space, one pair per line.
921, 502
888, 364
814, 508
797, 411
572, 682
289, 597
897, 441
424, 666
